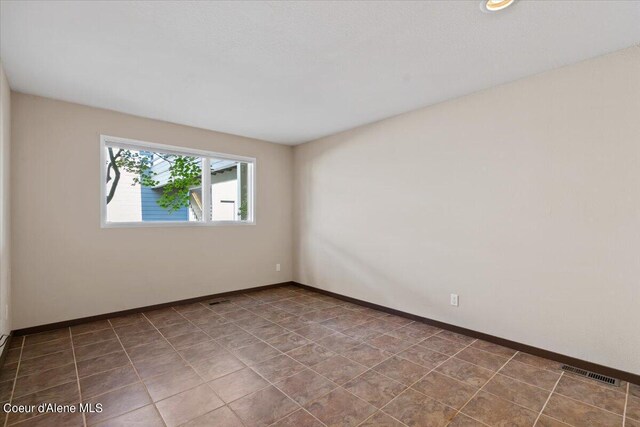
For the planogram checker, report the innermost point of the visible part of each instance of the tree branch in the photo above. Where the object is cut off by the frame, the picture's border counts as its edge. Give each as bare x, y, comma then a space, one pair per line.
116, 171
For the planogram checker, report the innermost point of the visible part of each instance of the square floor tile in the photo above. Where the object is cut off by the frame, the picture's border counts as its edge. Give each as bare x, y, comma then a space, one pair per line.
380, 419
188, 339
45, 379
367, 355
339, 369
633, 407
146, 416
453, 336
217, 366
147, 351
263, 407
530, 374
445, 389
238, 384
46, 336
255, 353
401, 370
221, 417
311, 354
63, 394
314, 331
103, 382
278, 368
493, 348
44, 363
165, 385
374, 388
300, 418
523, 394
102, 363
538, 362
118, 402
589, 392
201, 351
389, 343
493, 410
442, 345
305, 386
44, 348
159, 365
288, 341
578, 414
338, 342
423, 356
417, 410
188, 405
466, 372
340, 408
482, 358
461, 420
237, 340
54, 420
98, 349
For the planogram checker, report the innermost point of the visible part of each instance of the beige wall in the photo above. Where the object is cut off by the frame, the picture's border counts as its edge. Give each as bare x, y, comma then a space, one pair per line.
523, 199
65, 266
5, 246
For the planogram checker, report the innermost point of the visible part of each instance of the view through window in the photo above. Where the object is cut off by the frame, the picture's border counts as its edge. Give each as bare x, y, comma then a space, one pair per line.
151, 183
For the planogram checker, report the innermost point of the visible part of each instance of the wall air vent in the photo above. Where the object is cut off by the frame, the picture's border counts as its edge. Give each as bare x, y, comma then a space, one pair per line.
588, 374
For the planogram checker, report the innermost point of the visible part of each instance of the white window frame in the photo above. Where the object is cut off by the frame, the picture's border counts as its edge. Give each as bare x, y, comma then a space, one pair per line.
132, 144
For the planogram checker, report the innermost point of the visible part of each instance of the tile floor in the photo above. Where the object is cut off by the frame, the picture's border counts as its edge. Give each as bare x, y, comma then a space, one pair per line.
291, 357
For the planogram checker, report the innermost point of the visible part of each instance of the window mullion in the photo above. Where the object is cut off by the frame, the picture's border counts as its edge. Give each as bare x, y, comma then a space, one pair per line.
206, 190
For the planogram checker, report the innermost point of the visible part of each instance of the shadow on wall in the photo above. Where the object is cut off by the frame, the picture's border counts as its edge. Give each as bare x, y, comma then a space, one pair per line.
348, 264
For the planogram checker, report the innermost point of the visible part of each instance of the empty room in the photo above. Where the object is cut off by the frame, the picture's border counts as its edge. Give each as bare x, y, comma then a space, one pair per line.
320, 213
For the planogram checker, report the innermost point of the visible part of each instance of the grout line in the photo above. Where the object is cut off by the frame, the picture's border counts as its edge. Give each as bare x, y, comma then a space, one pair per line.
616, 389
75, 365
15, 380
191, 366
384, 360
137, 374
410, 387
383, 413
271, 384
481, 387
589, 404
548, 399
291, 295
626, 403
204, 382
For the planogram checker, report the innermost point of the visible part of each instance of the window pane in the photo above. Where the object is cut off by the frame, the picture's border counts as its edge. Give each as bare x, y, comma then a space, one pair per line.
147, 186
230, 189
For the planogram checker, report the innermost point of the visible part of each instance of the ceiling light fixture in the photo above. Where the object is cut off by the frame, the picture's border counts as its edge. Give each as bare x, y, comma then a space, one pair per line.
496, 5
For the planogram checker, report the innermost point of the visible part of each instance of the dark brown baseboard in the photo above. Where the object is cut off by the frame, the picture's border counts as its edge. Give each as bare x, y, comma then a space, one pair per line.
73, 322
5, 349
579, 363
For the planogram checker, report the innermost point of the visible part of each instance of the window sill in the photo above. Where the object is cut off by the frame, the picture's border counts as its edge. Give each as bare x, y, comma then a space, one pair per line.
174, 224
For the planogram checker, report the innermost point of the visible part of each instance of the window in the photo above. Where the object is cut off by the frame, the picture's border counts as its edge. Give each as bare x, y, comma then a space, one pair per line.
151, 184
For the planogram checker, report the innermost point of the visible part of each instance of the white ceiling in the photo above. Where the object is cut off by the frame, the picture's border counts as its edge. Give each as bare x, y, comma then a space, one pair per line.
291, 72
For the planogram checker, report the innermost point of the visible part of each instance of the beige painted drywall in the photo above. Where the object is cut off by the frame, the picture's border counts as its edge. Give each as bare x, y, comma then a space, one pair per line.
523, 199
65, 266
5, 241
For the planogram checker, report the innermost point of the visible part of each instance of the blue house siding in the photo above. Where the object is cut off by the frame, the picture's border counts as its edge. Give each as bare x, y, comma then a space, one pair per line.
151, 211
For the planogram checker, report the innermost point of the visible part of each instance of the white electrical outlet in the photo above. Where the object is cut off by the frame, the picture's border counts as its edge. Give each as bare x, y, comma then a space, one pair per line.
454, 300
277, 267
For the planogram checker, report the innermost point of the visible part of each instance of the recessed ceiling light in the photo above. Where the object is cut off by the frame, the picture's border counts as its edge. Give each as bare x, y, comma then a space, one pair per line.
496, 5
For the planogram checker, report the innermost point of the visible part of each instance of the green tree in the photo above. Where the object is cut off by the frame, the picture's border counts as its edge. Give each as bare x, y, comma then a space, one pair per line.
184, 173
